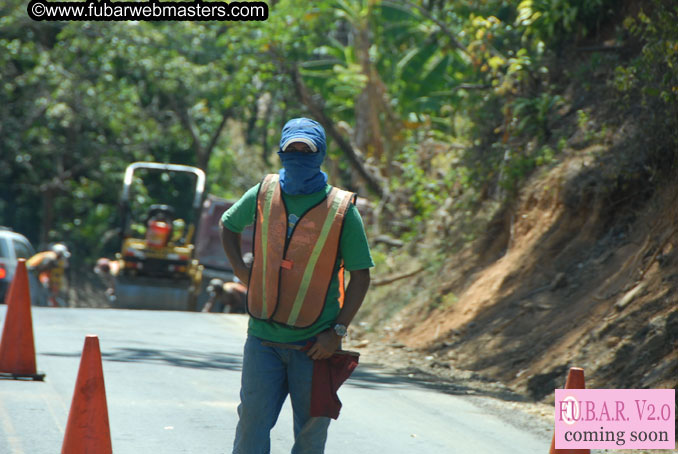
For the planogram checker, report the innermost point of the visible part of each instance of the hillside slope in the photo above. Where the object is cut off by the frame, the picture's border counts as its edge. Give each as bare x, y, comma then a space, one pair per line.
579, 269
582, 283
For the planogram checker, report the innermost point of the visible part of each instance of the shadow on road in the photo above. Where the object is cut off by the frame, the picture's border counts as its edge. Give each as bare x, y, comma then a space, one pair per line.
375, 376
177, 358
367, 375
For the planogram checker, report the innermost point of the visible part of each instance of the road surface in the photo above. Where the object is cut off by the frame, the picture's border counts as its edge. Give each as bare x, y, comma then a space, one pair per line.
172, 382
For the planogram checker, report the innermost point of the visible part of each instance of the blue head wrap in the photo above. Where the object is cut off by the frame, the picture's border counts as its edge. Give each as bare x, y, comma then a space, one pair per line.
301, 172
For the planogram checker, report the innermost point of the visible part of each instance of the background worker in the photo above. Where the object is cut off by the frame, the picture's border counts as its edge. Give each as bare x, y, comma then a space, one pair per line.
228, 297
50, 267
107, 269
305, 230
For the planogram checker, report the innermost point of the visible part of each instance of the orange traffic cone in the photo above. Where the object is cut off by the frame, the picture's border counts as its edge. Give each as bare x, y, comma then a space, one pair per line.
575, 380
87, 430
17, 349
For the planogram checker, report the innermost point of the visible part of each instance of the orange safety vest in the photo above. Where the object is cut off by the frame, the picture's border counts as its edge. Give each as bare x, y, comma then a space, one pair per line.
290, 277
49, 267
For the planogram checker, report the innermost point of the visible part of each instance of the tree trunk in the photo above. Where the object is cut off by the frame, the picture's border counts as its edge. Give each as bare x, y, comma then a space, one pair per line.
206, 152
368, 129
202, 153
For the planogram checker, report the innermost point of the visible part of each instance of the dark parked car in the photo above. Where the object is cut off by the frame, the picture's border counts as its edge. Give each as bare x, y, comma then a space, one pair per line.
14, 246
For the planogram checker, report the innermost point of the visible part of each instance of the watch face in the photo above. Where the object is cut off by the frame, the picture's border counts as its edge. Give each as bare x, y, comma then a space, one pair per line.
340, 330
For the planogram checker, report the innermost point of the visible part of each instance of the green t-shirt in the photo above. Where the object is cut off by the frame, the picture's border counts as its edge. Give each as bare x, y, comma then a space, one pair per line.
353, 249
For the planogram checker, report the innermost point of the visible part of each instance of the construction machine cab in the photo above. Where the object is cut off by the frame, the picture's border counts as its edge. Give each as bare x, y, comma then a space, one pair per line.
157, 264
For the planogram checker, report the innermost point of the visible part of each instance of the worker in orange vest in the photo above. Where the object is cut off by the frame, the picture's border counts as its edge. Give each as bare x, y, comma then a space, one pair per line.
306, 233
50, 267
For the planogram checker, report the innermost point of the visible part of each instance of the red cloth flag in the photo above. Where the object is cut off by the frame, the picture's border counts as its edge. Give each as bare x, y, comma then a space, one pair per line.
328, 375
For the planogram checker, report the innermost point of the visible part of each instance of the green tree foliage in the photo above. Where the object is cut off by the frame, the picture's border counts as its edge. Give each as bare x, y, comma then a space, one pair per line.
82, 100
424, 101
654, 73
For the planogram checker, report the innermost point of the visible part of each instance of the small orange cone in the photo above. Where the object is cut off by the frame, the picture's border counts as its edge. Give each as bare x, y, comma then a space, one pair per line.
575, 380
17, 349
87, 430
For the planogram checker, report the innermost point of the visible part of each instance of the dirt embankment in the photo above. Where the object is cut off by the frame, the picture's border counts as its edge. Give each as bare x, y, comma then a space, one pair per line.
581, 283
580, 270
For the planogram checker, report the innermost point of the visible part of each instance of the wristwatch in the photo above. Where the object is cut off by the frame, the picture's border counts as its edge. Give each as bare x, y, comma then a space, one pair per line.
341, 330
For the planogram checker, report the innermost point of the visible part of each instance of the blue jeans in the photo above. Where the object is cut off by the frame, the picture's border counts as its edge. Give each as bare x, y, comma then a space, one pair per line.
269, 374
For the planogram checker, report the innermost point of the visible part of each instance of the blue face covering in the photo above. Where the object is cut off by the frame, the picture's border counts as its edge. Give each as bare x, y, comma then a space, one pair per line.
301, 172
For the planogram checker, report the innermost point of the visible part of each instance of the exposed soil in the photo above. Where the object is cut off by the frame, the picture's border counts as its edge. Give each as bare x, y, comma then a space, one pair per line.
556, 297
576, 286
579, 270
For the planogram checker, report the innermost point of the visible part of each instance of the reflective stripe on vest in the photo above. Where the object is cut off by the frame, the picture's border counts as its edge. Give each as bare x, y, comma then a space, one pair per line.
290, 277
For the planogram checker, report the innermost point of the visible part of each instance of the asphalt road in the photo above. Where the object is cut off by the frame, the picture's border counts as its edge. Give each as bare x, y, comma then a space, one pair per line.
172, 382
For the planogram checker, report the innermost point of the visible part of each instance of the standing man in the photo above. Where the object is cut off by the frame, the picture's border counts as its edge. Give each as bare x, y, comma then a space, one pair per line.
306, 233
